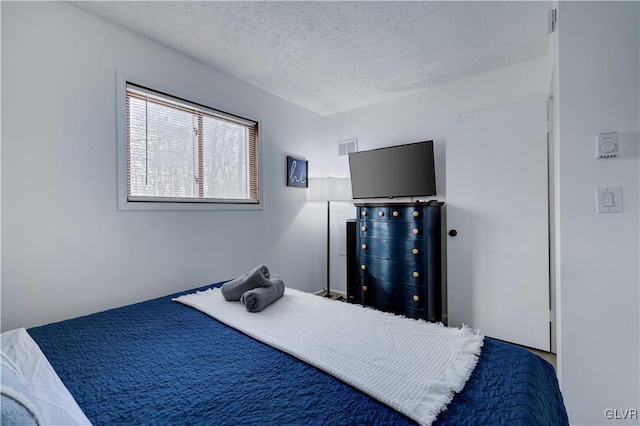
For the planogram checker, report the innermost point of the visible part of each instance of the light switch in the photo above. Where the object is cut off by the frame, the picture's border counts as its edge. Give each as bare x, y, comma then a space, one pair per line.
608, 199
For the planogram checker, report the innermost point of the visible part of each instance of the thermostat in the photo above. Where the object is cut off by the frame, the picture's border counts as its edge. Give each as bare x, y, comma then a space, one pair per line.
607, 145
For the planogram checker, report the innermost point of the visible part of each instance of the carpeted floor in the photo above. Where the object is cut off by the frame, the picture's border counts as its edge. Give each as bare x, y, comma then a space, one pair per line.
334, 296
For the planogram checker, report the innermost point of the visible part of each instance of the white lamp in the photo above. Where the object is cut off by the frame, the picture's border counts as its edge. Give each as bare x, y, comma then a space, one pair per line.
329, 189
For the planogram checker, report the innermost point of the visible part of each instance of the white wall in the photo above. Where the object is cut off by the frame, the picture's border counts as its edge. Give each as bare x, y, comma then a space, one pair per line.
418, 117
598, 86
425, 115
66, 249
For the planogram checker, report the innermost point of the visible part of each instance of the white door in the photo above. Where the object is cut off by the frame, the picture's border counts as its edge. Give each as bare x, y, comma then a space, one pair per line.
497, 203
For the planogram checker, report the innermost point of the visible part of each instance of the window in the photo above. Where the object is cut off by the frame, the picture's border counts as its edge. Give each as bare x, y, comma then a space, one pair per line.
182, 152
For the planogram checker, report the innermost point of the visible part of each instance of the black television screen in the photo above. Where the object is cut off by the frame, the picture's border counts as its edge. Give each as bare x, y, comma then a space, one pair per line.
396, 171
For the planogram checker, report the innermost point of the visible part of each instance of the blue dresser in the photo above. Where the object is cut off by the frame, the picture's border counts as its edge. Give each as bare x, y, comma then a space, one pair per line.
398, 258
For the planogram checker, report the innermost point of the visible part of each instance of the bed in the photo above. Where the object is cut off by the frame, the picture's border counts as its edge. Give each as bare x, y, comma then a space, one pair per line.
161, 362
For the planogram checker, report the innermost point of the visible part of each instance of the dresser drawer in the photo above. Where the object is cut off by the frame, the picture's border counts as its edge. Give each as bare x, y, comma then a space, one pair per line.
405, 214
380, 301
406, 250
379, 213
394, 293
372, 269
392, 231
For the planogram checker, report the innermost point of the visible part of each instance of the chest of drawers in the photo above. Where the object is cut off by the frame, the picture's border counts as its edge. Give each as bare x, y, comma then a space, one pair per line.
398, 258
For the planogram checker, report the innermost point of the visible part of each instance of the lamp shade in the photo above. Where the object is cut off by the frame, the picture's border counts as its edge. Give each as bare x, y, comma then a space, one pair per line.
329, 189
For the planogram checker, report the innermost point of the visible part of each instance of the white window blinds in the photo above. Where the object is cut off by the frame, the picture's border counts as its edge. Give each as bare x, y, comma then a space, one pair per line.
179, 151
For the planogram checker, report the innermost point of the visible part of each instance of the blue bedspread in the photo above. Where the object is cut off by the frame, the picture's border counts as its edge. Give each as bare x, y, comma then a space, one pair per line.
161, 362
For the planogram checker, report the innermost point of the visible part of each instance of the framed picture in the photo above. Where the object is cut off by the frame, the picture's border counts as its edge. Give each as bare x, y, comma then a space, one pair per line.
297, 172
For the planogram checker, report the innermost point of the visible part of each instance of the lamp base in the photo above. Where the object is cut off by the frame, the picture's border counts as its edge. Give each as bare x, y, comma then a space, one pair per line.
329, 295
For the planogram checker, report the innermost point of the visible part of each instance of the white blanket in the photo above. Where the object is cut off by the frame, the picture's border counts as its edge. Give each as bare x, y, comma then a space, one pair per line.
411, 365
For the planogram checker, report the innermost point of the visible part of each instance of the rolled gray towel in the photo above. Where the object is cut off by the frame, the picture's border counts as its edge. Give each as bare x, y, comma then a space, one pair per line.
259, 298
257, 277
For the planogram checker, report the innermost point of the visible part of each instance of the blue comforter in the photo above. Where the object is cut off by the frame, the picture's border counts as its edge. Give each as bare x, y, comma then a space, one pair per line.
161, 362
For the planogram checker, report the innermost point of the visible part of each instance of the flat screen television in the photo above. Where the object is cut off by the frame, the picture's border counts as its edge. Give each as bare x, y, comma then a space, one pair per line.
396, 171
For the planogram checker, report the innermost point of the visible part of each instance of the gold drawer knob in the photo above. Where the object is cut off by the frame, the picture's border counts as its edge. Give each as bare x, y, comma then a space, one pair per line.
415, 251
363, 267
416, 298
364, 228
363, 213
416, 231
415, 274
395, 213
380, 213
364, 288
416, 213
364, 246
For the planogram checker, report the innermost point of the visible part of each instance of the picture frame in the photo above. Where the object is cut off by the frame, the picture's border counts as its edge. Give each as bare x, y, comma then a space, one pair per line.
297, 172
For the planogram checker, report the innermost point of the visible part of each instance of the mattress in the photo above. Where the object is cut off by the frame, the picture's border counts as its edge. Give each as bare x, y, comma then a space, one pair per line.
161, 362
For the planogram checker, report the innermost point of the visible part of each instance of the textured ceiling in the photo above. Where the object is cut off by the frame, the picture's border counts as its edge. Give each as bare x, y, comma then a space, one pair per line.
334, 56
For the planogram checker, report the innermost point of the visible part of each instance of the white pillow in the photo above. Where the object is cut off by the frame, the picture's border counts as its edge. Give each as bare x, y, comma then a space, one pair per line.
22, 355
16, 404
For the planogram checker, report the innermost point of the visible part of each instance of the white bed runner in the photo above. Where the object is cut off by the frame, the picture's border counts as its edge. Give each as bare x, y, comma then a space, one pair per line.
412, 366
